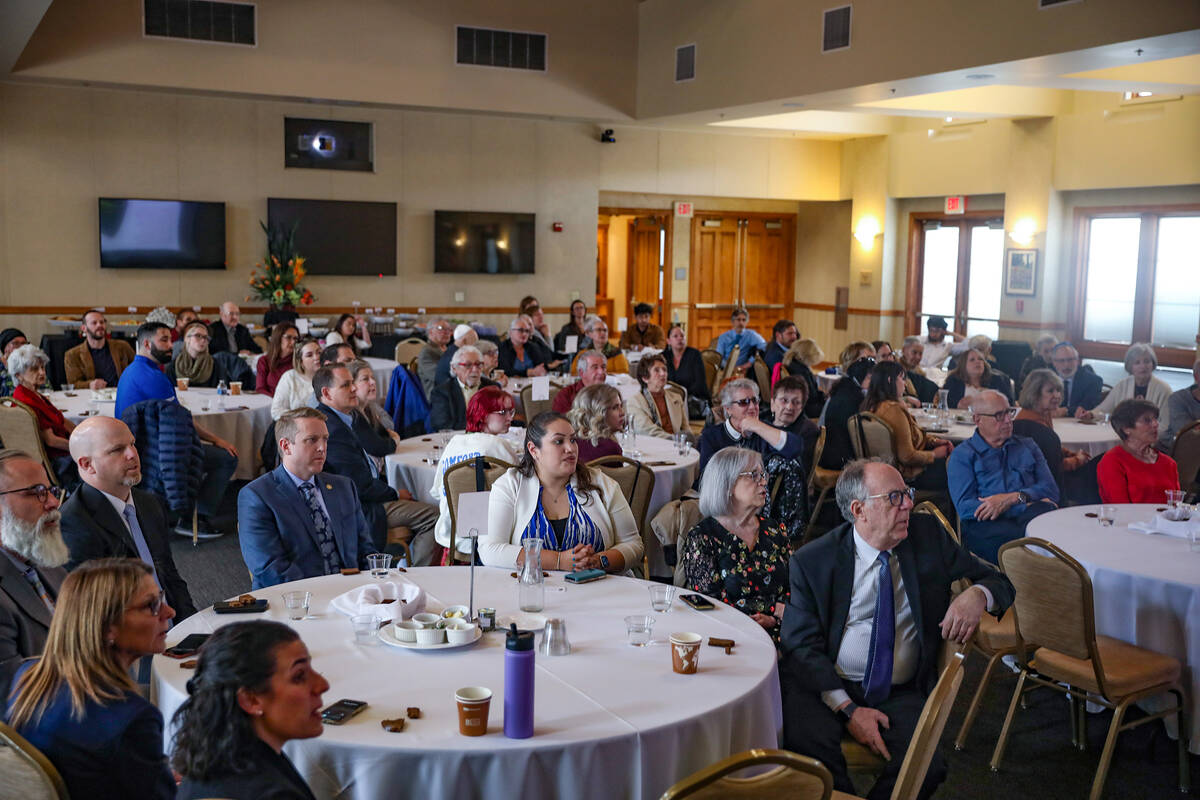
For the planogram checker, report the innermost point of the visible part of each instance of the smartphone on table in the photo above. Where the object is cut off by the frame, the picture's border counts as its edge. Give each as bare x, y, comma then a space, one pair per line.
697, 602
188, 647
341, 711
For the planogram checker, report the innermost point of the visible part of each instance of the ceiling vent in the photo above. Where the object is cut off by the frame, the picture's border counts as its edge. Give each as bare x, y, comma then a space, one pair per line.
485, 47
200, 21
837, 30
1052, 3
685, 63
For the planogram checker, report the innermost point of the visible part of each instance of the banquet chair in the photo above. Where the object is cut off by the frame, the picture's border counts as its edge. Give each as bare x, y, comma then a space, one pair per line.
762, 375
261, 341
19, 431
871, 437
679, 390
475, 475
794, 776
1187, 457
637, 484
671, 525
534, 407
712, 369
28, 775
1054, 607
820, 480
731, 364
408, 349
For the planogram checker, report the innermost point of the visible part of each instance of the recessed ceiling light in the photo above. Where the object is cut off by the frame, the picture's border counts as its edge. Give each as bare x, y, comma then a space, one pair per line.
980, 76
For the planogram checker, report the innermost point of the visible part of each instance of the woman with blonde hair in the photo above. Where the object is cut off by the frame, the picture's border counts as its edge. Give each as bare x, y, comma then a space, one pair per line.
78, 705
853, 352
294, 389
597, 414
799, 360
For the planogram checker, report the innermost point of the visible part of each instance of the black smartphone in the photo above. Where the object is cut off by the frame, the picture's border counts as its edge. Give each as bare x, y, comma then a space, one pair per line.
697, 602
188, 647
341, 711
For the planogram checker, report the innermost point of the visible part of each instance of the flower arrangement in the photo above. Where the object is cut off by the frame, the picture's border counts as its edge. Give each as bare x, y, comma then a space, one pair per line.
281, 272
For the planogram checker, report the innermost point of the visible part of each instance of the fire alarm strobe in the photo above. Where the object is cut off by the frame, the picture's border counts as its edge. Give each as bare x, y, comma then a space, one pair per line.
557, 227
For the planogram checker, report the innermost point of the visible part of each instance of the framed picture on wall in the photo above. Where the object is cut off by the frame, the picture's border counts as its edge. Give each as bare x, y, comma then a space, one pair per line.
1020, 272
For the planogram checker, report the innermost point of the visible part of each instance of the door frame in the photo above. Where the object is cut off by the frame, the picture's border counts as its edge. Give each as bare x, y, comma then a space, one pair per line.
914, 281
668, 217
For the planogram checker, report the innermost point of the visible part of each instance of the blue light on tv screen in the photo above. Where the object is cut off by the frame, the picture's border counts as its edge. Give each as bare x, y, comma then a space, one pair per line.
161, 234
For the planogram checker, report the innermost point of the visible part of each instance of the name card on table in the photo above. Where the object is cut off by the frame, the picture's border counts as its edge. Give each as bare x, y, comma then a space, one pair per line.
571, 344
302, 326
622, 324
472, 513
541, 387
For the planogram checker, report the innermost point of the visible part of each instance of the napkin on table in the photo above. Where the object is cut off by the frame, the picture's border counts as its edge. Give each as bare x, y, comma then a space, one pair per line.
367, 599
1168, 527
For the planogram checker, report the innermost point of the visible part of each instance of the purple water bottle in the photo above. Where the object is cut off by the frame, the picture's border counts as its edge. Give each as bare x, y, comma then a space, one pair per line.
518, 684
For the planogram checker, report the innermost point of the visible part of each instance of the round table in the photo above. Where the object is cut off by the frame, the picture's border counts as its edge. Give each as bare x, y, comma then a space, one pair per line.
413, 465
611, 720
1094, 439
382, 367
627, 385
244, 421
1146, 589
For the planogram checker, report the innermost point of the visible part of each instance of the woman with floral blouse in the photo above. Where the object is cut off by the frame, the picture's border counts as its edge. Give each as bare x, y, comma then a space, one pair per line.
734, 554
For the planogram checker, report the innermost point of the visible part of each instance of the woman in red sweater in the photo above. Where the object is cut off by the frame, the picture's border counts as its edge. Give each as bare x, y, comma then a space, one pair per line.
278, 358
1133, 471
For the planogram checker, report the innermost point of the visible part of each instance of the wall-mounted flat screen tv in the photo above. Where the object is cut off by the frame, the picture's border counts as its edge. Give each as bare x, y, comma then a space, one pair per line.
161, 234
340, 237
483, 242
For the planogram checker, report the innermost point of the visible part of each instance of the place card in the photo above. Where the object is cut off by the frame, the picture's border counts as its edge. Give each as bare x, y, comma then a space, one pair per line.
302, 326
571, 344
472, 513
622, 324
541, 387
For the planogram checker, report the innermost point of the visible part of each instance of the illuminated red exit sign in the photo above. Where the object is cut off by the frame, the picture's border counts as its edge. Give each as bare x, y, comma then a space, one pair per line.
956, 204
683, 209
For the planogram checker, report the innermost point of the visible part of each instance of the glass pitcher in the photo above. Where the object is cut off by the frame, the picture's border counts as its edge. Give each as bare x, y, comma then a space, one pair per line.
532, 580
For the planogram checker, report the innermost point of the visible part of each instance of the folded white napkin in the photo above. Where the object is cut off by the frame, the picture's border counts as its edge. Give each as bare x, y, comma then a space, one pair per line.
368, 599
1178, 529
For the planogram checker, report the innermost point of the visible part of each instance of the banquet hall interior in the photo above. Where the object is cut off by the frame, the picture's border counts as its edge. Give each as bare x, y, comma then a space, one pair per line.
1020, 169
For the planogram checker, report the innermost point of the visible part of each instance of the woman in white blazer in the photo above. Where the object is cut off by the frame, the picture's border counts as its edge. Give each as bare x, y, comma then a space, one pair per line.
655, 411
295, 389
579, 513
1140, 363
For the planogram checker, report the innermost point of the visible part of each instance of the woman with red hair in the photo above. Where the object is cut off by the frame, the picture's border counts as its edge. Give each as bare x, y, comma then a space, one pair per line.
489, 415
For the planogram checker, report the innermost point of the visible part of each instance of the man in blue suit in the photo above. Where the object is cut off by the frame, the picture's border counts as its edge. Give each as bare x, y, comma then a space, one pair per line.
297, 521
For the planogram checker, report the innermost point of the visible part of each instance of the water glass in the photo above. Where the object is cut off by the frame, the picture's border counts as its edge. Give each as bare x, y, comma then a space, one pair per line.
1194, 538
661, 597
1108, 515
1174, 498
366, 628
682, 445
296, 604
379, 564
638, 628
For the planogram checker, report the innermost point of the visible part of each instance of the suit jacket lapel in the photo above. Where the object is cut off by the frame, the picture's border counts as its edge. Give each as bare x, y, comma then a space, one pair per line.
292, 498
912, 587
14, 584
843, 586
107, 518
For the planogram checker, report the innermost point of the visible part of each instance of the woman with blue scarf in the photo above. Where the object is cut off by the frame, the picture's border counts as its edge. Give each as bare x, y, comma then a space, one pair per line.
579, 513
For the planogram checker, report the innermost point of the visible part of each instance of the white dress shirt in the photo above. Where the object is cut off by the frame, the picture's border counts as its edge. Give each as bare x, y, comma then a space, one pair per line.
936, 353
778, 444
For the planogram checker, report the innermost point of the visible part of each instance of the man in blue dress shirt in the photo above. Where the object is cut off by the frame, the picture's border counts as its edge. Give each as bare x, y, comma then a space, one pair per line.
739, 335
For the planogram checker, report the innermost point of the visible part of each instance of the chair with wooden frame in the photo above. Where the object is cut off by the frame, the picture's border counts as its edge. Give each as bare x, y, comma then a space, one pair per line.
474, 475
1054, 607
28, 774
994, 638
534, 407
408, 349
637, 485
19, 431
820, 480
1186, 453
795, 776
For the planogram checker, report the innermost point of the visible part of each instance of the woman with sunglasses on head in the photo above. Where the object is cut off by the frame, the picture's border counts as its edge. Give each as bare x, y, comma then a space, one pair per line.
735, 554
489, 416
254, 690
78, 705
921, 458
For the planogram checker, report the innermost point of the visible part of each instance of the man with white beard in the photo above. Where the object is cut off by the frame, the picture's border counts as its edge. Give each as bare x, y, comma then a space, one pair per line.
32, 553
106, 517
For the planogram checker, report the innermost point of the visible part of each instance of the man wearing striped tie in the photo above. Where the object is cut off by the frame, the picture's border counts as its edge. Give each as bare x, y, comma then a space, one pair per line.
870, 604
32, 553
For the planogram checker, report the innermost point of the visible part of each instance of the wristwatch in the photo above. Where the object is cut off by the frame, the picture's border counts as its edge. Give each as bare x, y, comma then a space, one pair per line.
1023, 498
604, 562
847, 711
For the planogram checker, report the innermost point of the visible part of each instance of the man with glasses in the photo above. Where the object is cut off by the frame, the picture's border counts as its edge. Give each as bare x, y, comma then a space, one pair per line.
748, 341
523, 356
592, 368
998, 481
32, 554
448, 403
869, 605
439, 334
743, 428
228, 333
99, 361
1082, 388
596, 331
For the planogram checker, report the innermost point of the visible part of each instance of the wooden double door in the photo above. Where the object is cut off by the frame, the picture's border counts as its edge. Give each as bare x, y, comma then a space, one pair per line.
740, 259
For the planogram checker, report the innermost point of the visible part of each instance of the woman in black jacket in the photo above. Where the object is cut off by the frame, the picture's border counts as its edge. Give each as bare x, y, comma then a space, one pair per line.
685, 366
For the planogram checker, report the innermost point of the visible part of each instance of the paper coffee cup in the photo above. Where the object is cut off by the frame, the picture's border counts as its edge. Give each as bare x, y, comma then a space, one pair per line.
181, 384
235, 387
685, 652
473, 705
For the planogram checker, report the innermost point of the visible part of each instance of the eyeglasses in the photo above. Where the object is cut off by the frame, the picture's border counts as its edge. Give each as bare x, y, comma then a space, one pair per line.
896, 496
154, 606
1064, 359
202, 336
756, 475
39, 492
522, 330
471, 364
745, 402
1000, 416
289, 338
506, 412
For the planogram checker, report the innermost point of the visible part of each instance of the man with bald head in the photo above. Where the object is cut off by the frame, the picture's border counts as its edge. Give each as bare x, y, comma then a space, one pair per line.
228, 333
107, 517
998, 481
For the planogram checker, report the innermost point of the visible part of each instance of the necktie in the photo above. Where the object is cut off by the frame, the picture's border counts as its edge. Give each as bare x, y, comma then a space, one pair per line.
1066, 393
325, 541
39, 587
139, 539
877, 681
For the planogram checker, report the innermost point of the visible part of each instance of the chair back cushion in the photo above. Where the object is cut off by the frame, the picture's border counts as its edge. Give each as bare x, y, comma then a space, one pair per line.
637, 485
463, 478
795, 777
1187, 457
408, 349
871, 437
671, 525
534, 407
28, 774
19, 431
1053, 596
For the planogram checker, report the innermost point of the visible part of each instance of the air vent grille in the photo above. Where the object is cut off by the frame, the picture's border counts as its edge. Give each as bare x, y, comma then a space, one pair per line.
485, 47
1053, 3
200, 21
837, 29
685, 63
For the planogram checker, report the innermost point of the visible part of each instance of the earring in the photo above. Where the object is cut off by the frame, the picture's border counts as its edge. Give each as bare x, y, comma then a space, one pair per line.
258, 713
111, 642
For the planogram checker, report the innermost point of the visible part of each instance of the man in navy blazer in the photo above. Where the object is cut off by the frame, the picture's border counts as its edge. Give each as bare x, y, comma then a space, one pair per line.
448, 401
277, 527
1082, 388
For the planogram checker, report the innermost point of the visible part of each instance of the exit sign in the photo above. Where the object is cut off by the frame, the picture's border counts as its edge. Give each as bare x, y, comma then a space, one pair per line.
956, 204
683, 209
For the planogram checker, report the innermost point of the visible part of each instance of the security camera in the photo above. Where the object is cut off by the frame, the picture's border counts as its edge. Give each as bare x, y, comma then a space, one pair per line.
606, 136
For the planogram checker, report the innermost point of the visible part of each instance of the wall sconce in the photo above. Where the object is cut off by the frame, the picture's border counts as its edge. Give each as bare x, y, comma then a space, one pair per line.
1023, 231
866, 231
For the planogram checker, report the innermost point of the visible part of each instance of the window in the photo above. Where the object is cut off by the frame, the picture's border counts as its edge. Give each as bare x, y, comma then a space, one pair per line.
1136, 281
955, 271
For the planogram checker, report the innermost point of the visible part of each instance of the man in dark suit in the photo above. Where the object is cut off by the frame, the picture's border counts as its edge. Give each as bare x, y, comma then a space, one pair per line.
845, 400
1082, 388
783, 336
870, 604
448, 403
382, 505
108, 518
298, 521
32, 553
229, 335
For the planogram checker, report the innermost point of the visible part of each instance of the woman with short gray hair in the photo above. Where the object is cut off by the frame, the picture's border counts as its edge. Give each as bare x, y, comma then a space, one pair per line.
27, 364
735, 554
1141, 384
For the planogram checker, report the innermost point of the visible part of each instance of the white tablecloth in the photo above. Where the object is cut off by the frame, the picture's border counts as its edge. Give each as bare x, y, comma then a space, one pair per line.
611, 720
382, 367
244, 422
1146, 587
625, 384
412, 467
1095, 440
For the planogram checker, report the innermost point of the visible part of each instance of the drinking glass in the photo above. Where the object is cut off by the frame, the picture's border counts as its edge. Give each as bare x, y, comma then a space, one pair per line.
379, 564
661, 597
1108, 515
296, 604
366, 628
1174, 498
681, 443
638, 628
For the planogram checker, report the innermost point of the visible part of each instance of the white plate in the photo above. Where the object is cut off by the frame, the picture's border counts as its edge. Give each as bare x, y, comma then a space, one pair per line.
525, 621
389, 638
